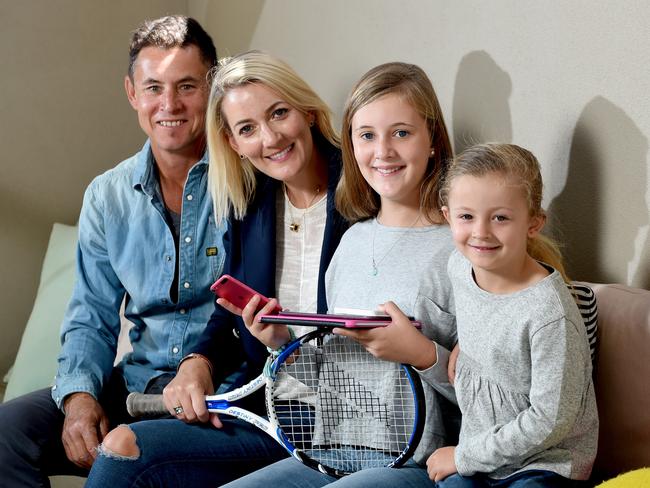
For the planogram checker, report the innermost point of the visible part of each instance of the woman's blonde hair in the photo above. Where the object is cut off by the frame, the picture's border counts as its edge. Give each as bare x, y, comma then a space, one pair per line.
231, 180
521, 168
355, 198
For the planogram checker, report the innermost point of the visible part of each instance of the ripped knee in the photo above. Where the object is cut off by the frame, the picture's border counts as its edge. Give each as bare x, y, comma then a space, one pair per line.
120, 443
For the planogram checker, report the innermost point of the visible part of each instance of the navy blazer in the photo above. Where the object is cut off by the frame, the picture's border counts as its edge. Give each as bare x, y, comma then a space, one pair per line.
250, 246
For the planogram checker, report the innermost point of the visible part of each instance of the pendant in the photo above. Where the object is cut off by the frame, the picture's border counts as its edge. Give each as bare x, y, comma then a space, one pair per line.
375, 271
293, 227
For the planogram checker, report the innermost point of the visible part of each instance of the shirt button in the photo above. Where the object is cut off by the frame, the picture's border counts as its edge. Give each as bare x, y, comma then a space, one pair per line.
175, 350
186, 285
188, 239
182, 311
168, 258
189, 197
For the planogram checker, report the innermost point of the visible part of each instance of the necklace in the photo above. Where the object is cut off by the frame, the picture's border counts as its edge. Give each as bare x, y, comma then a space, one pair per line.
294, 226
377, 262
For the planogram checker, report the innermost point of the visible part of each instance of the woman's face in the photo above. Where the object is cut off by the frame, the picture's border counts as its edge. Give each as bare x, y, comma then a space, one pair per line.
273, 135
392, 148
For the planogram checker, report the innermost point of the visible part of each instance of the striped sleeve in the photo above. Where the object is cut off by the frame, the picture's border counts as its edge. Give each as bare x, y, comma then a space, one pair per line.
586, 300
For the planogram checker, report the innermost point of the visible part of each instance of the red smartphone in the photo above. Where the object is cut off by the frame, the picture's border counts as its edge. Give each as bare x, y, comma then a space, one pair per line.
237, 292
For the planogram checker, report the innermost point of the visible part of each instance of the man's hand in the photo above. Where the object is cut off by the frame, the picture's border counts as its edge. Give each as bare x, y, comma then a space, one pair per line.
84, 427
188, 389
442, 463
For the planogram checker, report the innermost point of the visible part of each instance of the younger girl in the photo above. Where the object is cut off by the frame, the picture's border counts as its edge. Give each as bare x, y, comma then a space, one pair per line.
523, 377
395, 147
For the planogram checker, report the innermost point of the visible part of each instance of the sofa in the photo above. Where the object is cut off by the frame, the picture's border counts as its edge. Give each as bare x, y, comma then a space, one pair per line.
622, 368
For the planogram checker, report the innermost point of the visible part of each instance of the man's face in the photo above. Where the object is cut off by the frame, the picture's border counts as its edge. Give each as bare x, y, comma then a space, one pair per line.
170, 93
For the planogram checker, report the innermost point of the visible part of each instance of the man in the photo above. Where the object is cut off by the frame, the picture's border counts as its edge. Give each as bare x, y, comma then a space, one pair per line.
146, 236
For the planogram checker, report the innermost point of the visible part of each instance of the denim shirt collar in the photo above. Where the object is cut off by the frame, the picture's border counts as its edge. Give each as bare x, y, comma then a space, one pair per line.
144, 175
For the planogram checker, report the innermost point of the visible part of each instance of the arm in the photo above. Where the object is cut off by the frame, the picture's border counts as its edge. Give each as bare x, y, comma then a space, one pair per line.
401, 342
89, 337
555, 400
218, 353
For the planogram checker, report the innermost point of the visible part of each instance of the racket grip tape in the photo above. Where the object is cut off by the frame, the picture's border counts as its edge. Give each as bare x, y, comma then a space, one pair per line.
140, 404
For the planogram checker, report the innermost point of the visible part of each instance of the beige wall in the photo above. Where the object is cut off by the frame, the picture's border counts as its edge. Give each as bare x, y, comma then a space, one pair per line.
64, 119
567, 79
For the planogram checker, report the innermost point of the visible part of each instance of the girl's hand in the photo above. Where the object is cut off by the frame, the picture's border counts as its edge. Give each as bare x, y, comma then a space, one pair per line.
451, 367
399, 341
441, 463
271, 335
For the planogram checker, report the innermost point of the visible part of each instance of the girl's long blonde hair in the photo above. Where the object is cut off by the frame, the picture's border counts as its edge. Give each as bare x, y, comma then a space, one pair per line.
521, 167
355, 198
231, 180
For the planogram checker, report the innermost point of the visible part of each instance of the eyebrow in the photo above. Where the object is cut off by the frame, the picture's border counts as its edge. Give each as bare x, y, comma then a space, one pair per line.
490, 210
396, 124
150, 81
271, 108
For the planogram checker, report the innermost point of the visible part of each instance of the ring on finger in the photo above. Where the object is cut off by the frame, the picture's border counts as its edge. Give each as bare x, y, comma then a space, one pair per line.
178, 410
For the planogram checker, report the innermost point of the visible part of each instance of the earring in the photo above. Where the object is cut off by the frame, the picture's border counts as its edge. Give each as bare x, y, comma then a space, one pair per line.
311, 123
241, 156
433, 151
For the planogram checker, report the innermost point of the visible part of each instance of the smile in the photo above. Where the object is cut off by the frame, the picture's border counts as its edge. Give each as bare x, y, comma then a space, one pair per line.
171, 123
484, 248
279, 156
388, 171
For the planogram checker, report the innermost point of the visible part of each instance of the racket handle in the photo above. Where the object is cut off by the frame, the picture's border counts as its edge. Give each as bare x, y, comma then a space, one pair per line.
139, 404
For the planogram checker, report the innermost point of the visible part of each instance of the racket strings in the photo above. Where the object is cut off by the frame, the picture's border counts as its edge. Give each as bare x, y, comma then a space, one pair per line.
341, 393
360, 412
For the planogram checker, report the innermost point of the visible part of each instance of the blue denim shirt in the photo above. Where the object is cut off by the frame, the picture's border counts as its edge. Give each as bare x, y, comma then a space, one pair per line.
126, 249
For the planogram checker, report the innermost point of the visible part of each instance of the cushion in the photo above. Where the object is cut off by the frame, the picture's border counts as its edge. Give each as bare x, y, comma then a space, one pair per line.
622, 379
35, 363
634, 479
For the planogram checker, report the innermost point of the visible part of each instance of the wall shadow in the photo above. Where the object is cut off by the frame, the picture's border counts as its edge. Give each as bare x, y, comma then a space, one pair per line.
602, 207
231, 24
481, 111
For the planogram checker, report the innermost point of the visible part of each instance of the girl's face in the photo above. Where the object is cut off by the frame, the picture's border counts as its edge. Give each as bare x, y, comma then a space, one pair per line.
392, 148
490, 222
271, 133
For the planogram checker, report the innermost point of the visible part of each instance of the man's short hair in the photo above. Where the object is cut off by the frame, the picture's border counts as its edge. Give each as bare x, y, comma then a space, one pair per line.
169, 32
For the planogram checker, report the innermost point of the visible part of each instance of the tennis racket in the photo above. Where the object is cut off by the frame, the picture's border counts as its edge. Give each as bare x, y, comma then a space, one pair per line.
330, 404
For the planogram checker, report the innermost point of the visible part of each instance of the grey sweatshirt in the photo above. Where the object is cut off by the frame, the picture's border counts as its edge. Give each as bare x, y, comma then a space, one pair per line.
523, 379
411, 266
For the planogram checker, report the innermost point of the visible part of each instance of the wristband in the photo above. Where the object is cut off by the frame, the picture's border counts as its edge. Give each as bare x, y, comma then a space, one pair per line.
195, 355
278, 351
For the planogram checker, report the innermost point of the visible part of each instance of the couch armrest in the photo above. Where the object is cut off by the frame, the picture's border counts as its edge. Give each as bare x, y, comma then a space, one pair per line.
622, 378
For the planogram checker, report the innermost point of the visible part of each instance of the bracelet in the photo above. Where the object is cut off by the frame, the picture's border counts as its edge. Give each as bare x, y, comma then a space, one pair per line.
196, 355
278, 351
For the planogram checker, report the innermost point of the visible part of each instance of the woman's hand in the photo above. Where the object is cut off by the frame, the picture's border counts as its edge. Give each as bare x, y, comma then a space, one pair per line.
399, 341
271, 335
451, 367
442, 463
188, 389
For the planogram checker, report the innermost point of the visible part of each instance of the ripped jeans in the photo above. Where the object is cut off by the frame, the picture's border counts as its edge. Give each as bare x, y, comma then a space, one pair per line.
30, 433
176, 454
